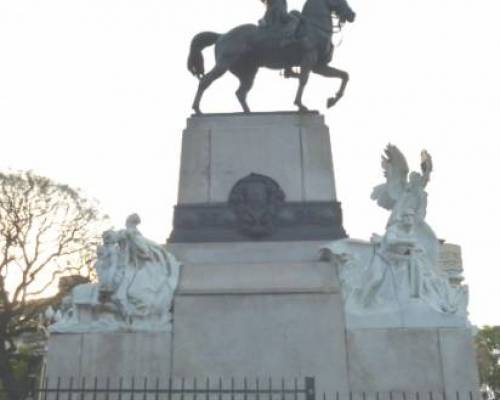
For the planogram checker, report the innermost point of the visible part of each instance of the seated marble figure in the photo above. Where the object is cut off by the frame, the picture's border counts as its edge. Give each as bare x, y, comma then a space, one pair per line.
398, 272
137, 279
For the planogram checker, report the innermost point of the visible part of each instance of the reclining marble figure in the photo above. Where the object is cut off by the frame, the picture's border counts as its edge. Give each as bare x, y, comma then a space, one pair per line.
137, 279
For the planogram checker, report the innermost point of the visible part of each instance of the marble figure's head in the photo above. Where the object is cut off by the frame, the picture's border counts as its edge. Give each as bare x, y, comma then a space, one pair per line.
109, 237
133, 220
407, 221
416, 179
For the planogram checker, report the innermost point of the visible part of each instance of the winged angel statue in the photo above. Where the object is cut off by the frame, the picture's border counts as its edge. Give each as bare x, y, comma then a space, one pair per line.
404, 191
399, 272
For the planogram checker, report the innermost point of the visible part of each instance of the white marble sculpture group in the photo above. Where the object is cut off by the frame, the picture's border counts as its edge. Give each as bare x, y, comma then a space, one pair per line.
397, 276
137, 279
394, 280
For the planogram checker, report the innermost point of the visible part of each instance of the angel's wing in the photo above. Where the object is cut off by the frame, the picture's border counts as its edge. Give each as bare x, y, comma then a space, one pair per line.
426, 165
396, 172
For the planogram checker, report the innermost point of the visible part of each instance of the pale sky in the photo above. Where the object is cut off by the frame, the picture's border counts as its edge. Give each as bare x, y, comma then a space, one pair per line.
95, 94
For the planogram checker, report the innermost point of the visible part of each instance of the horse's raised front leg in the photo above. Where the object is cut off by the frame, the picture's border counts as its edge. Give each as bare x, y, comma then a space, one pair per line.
331, 72
205, 82
303, 78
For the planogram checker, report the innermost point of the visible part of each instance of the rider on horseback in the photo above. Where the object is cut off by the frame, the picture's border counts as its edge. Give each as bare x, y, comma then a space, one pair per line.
280, 22
276, 13
246, 48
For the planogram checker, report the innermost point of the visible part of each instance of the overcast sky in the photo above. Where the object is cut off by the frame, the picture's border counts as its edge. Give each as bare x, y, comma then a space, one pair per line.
94, 93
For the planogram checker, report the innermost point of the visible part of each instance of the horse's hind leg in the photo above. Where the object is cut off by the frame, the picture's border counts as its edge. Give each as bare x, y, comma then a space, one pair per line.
303, 78
331, 72
246, 77
205, 82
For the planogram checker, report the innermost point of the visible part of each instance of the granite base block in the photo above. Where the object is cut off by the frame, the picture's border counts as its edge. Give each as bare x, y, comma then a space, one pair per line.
412, 360
109, 355
270, 335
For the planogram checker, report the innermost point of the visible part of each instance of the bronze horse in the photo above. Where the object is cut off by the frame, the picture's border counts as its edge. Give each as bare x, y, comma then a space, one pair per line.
246, 48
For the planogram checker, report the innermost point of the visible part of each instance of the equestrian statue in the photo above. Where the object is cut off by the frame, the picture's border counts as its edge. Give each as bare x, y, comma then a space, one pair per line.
282, 40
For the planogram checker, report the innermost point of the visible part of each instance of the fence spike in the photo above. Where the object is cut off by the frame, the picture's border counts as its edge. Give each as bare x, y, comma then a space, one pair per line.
45, 387
70, 389
108, 387
58, 387
183, 382
145, 396
120, 388
82, 388
95, 388
157, 389
132, 389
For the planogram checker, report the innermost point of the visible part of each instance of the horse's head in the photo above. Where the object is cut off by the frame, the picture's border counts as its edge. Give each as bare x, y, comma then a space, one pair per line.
342, 10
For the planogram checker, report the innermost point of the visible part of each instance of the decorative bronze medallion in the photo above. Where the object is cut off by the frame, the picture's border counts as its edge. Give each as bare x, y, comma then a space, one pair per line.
256, 201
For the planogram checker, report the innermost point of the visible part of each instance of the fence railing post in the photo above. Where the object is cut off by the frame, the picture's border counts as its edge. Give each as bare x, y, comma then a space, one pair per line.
70, 395
108, 387
120, 388
83, 393
310, 386
157, 389
94, 392
58, 388
45, 388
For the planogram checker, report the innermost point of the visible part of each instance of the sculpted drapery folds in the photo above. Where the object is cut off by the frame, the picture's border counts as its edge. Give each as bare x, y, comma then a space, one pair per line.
403, 192
399, 272
137, 279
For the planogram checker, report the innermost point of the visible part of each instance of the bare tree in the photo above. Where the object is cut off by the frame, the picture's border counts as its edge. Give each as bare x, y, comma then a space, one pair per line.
47, 230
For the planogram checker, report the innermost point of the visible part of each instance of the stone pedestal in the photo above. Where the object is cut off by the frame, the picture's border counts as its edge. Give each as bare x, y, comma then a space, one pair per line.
111, 355
292, 148
258, 307
289, 150
412, 360
259, 310
256, 204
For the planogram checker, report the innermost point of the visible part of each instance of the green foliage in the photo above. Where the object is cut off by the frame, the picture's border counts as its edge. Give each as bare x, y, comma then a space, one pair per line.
488, 357
23, 364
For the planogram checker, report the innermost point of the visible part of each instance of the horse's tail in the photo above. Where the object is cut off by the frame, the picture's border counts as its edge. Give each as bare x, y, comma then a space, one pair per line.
195, 62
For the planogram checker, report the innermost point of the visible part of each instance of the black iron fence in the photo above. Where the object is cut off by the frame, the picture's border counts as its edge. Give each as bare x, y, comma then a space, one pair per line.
404, 395
173, 389
219, 389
